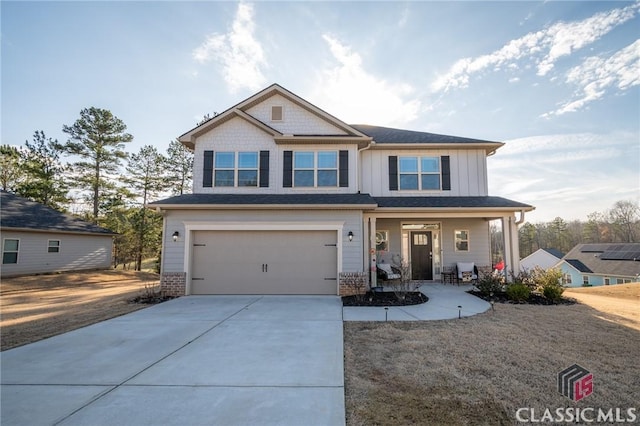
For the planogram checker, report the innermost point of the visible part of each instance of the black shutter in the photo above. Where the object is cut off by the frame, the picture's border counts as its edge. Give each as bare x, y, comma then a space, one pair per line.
207, 171
343, 172
287, 172
446, 173
393, 173
264, 169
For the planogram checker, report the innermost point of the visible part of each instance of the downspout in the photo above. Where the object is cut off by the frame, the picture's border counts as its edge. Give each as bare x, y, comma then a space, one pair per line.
358, 163
521, 220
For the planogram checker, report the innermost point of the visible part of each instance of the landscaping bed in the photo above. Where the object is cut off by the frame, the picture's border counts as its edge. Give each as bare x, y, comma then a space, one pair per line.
387, 298
534, 299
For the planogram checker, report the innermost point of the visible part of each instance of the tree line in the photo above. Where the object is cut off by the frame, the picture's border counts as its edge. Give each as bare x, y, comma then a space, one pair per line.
619, 224
110, 185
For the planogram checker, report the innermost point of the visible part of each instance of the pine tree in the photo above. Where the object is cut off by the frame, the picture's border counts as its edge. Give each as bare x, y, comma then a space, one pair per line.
179, 168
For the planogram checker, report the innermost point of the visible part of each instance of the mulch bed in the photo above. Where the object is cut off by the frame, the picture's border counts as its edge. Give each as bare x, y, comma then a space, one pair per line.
385, 299
534, 299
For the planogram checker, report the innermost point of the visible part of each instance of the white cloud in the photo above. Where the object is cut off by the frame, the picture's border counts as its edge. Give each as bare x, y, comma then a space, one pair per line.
596, 75
348, 91
567, 175
544, 47
238, 51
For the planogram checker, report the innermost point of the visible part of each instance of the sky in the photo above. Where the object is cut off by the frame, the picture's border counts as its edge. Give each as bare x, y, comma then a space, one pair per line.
558, 82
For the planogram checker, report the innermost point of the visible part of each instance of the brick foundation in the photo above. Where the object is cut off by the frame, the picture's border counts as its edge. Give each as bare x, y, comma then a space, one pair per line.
353, 283
173, 283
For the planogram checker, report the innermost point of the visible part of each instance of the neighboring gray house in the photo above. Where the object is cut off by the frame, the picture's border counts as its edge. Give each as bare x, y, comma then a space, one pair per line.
542, 258
39, 239
288, 199
601, 264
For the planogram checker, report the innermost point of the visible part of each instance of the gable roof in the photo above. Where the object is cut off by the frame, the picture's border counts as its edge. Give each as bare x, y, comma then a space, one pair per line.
410, 138
21, 214
554, 252
615, 259
238, 110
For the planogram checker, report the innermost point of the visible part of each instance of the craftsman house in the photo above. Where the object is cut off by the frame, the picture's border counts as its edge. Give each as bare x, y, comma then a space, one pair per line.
288, 199
601, 264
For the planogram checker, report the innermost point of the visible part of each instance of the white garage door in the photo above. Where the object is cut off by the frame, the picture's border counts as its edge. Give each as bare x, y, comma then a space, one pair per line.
264, 262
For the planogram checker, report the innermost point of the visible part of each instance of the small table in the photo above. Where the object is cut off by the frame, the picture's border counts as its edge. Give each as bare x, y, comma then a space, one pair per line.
447, 277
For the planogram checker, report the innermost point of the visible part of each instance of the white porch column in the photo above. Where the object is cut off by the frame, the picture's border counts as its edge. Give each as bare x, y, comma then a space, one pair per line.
372, 251
511, 246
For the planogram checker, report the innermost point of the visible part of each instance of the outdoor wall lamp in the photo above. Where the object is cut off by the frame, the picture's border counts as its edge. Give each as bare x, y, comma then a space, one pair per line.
175, 236
350, 235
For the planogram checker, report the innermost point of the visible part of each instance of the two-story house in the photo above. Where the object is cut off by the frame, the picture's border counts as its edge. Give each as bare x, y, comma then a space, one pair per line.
287, 199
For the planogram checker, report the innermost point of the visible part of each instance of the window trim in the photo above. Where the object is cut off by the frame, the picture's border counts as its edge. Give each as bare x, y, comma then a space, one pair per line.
236, 169
273, 109
420, 173
49, 246
457, 240
316, 168
4, 251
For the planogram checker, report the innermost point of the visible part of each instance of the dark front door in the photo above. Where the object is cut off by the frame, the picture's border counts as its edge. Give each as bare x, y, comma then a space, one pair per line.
421, 256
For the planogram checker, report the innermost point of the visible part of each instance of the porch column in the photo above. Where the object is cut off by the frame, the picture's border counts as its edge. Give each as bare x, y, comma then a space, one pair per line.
372, 252
511, 246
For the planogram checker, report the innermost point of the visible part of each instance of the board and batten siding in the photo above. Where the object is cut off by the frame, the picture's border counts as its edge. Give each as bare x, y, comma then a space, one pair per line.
77, 252
468, 169
295, 119
173, 252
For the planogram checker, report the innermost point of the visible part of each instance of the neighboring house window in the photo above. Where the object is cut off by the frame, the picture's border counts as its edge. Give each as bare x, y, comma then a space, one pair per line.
462, 240
567, 279
315, 169
419, 173
229, 172
607, 281
276, 113
10, 250
619, 281
53, 246
585, 280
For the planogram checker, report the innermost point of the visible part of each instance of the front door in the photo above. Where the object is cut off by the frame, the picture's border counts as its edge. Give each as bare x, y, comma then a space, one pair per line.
421, 256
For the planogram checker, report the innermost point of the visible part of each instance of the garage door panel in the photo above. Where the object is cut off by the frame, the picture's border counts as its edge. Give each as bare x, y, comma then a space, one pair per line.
264, 262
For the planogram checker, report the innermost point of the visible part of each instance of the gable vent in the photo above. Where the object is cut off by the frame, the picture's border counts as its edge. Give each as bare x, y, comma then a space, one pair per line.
276, 113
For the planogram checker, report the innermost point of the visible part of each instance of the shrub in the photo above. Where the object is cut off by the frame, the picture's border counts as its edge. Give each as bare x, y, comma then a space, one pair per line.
490, 283
550, 283
553, 293
526, 277
518, 292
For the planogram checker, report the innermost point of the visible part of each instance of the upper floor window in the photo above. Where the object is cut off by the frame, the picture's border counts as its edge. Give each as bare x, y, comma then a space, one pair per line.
276, 113
315, 169
236, 169
10, 249
419, 173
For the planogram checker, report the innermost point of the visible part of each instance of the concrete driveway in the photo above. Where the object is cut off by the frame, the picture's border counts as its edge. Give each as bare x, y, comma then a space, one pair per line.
197, 360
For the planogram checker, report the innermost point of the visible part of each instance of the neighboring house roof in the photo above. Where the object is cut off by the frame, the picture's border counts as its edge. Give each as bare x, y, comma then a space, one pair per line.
450, 202
617, 259
554, 252
359, 200
581, 267
388, 135
19, 213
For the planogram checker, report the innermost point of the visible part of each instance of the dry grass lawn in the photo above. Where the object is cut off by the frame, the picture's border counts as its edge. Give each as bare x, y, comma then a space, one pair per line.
480, 370
36, 307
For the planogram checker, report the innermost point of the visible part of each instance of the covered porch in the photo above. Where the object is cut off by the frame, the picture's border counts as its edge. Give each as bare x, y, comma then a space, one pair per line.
428, 242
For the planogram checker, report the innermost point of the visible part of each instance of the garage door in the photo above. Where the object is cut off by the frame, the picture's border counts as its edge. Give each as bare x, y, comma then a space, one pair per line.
264, 262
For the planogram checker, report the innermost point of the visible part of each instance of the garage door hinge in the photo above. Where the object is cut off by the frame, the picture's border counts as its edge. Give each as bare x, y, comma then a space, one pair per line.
331, 245
197, 279
199, 245
331, 279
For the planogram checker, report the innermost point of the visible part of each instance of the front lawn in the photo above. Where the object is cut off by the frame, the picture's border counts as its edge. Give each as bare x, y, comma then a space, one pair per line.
482, 369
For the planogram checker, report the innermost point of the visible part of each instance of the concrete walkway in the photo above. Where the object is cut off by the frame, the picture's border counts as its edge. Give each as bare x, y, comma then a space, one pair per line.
227, 360
443, 304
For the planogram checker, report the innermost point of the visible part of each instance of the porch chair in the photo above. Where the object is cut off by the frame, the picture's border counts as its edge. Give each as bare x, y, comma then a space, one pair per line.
466, 273
386, 272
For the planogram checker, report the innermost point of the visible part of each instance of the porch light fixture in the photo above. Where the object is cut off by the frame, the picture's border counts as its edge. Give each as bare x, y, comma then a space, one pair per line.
350, 235
175, 236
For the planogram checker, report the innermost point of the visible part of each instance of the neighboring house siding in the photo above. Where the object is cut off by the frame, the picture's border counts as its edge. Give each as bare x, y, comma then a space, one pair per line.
296, 120
77, 252
539, 258
467, 167
173, 252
